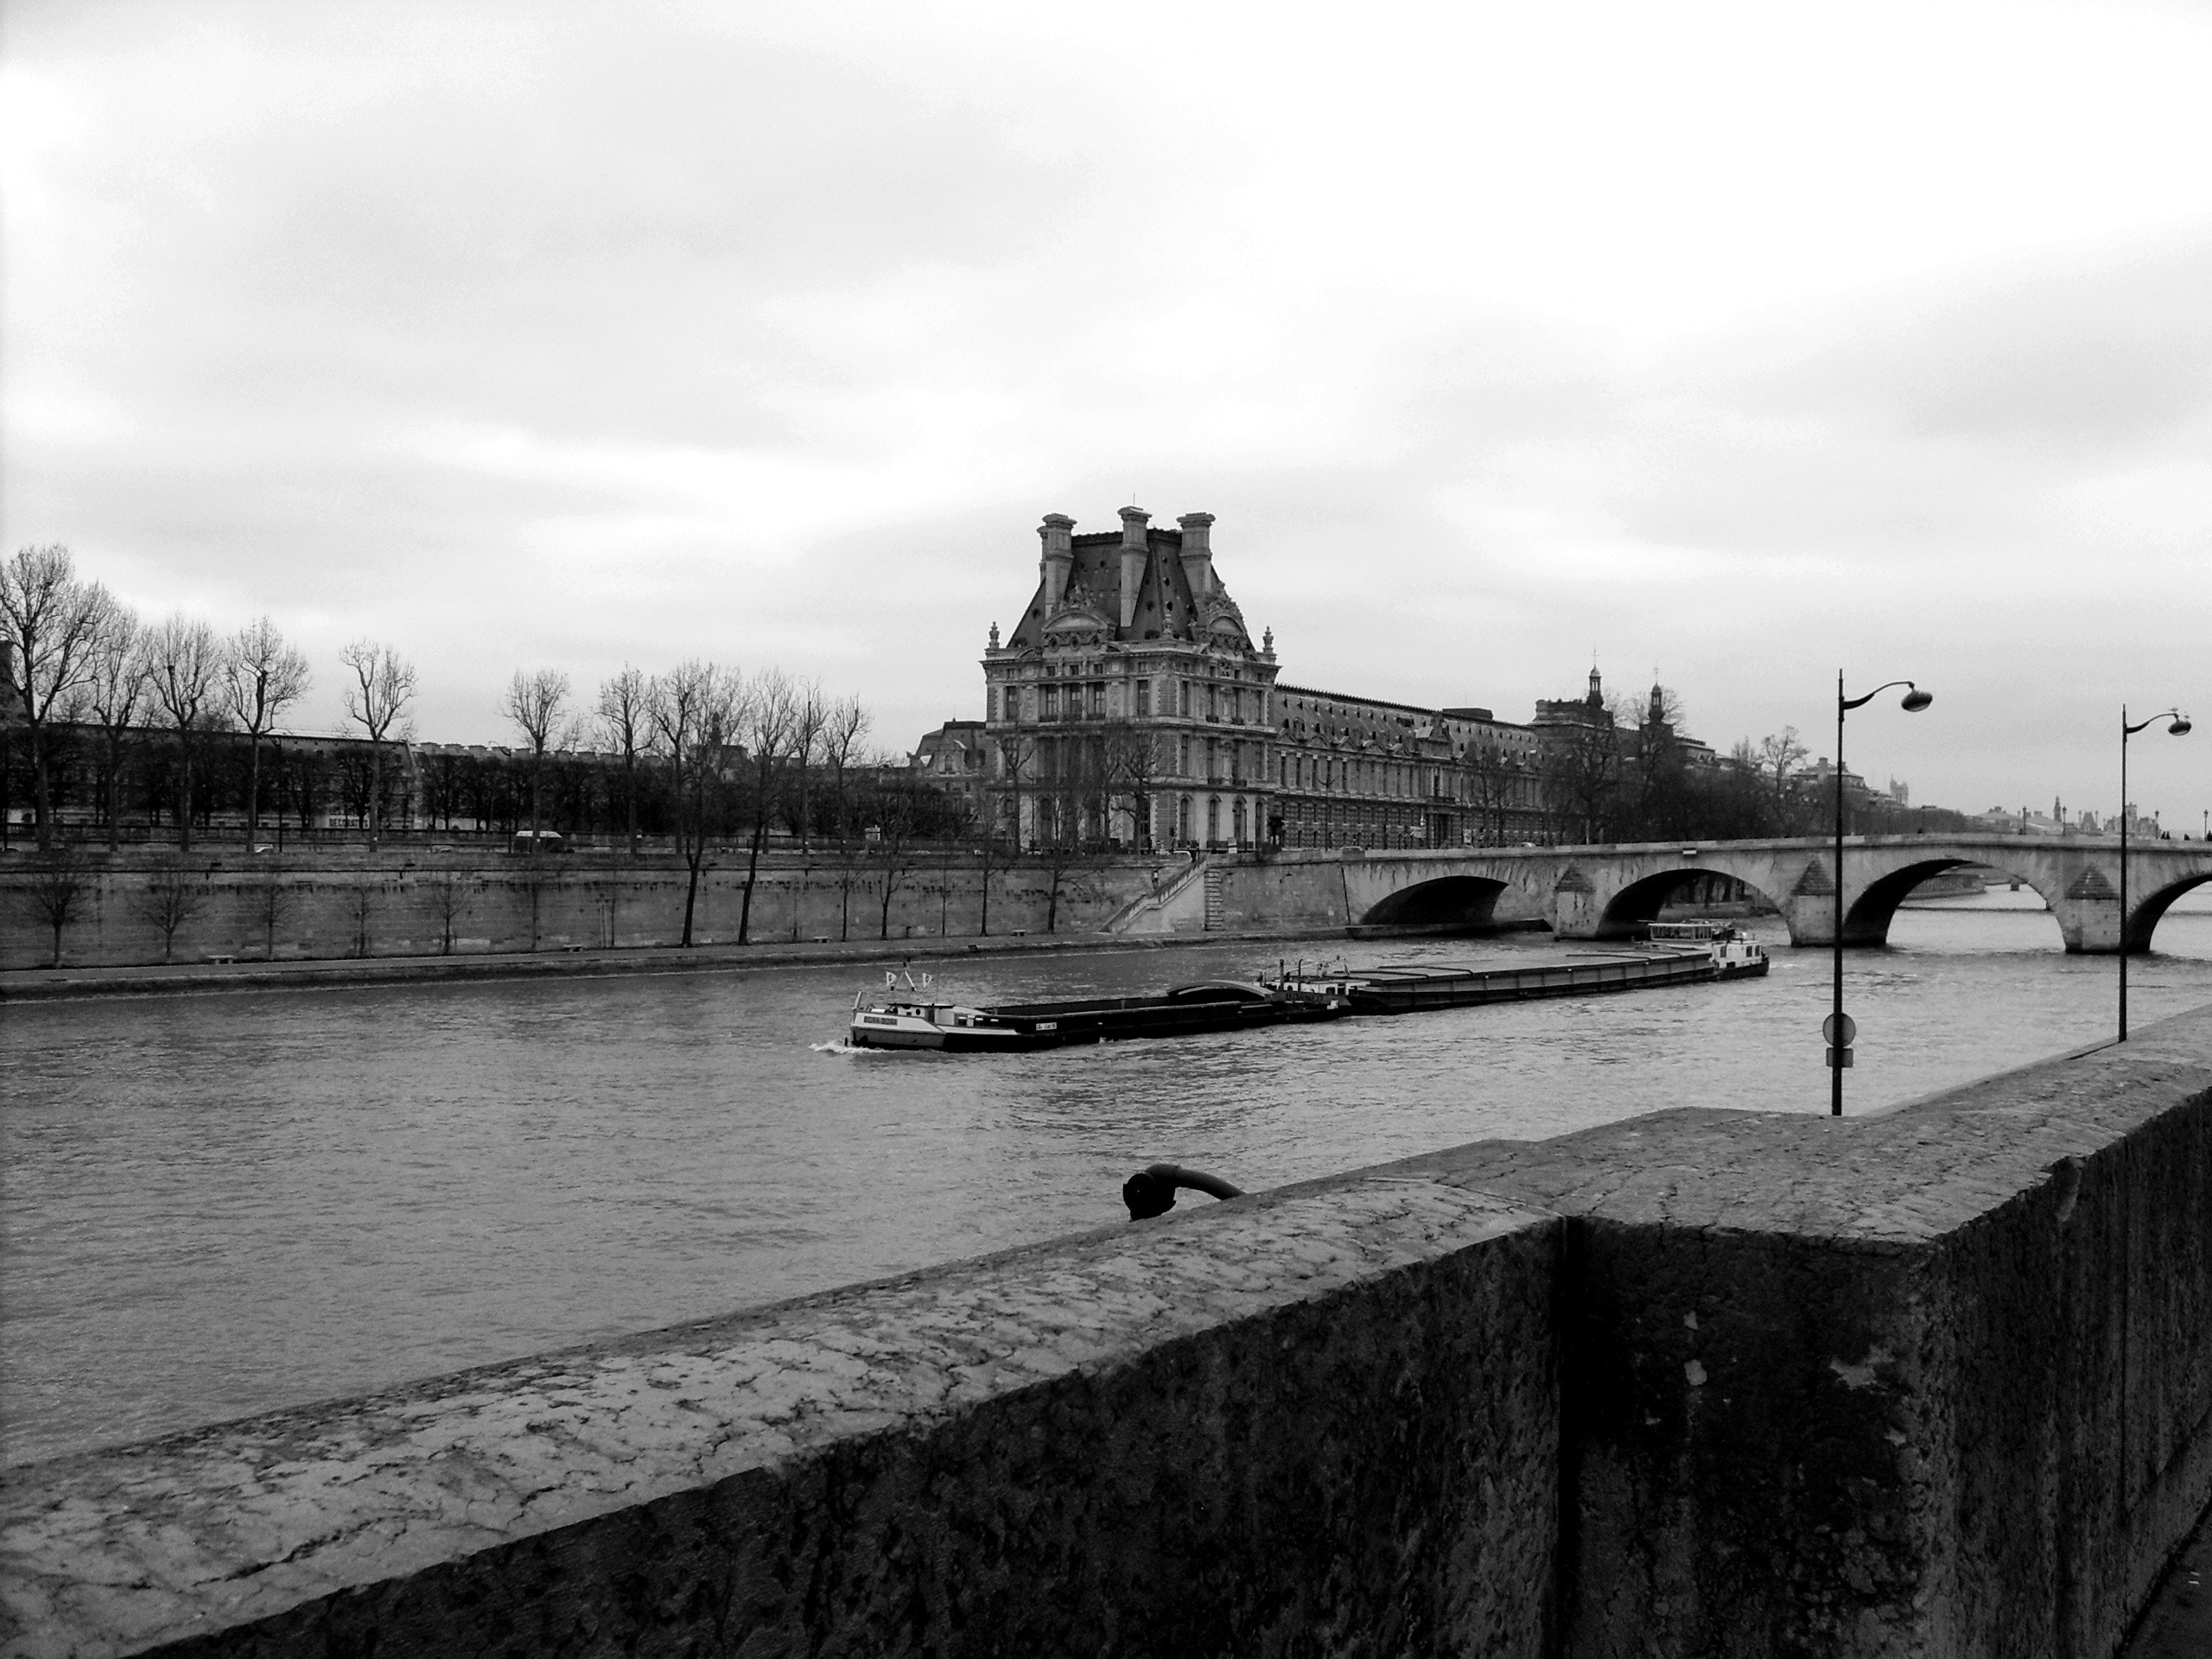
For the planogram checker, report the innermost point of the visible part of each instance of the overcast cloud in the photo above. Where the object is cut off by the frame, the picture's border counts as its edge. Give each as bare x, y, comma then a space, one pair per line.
1740, 342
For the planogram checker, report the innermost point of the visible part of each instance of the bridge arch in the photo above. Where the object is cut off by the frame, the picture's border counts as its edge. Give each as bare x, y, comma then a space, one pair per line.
1446, 902
1640, 901
2145, 919
1867, 921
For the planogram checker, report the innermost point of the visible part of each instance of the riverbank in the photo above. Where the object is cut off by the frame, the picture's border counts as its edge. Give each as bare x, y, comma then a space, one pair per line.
140, 909
38, 985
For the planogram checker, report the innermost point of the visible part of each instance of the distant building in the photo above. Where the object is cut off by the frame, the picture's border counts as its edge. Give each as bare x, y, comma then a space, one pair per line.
957, 759
1129, 703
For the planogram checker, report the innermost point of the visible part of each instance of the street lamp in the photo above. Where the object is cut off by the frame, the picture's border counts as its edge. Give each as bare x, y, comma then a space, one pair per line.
1838, 1030
2179, 729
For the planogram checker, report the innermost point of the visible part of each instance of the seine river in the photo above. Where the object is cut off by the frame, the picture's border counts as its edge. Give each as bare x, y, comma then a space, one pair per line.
218, 1205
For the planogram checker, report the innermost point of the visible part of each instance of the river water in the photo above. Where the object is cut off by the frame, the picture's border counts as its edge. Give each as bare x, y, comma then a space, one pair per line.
219, 1204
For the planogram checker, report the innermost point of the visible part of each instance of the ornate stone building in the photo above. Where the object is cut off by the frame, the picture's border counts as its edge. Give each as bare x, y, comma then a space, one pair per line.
1129, 703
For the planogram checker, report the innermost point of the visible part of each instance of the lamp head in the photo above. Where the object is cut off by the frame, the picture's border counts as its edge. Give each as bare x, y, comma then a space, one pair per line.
1916, 700
2180, 727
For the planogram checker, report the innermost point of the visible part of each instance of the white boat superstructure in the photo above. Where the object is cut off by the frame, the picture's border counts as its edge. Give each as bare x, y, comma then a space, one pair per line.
916, 1021
1734, 956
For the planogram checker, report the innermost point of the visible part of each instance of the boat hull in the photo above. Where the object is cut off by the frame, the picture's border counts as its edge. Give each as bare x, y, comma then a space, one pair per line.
1024, 1025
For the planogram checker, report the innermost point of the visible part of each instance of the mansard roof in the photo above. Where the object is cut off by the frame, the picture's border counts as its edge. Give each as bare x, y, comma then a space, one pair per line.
1090, 609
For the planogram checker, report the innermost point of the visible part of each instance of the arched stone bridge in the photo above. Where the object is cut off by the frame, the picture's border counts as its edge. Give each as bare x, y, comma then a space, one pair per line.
1603, 892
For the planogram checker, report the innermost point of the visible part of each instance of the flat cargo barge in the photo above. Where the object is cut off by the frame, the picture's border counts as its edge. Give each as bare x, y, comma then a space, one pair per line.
916, 1021
1686, 954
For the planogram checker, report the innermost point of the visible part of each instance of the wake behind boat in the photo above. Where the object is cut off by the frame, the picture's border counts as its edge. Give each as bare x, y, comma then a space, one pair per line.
918, 1020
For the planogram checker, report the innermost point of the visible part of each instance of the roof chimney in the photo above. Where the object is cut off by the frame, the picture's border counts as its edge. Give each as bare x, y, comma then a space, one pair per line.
1136, 548
1197, 552
1058, 557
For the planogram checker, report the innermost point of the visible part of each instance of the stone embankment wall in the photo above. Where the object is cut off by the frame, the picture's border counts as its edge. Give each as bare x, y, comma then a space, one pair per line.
1937, 1382
419, 903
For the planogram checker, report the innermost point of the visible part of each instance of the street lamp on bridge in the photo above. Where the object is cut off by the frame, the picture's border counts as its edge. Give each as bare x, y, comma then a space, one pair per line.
1838, 1030
2179, 729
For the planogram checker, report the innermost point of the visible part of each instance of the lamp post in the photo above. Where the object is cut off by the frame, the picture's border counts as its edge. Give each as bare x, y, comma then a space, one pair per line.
1839, 1031
2179, 729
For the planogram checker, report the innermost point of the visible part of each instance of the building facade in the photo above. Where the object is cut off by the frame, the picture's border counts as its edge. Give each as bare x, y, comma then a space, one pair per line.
1130, 704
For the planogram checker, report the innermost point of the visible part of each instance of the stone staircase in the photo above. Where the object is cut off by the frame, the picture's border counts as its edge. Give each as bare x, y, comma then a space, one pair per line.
1190, 903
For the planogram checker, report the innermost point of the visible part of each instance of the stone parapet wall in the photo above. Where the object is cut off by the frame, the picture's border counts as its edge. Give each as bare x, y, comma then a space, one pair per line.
1934, 1381
1320, 1419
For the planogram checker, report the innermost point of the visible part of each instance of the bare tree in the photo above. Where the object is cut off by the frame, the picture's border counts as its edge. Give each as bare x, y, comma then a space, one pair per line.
168, 902
1070, 796
694, 709
1582, 770
1496, 783
449, 898
271, 899
364, 900
185, 661
991, 856
1131, 775
844, 725
262, 675
534, 703
767, 726
850, 875
377, 702
1777, 761
57, 882
1019, 757
50, 620
116, 692
809, 719
625, 724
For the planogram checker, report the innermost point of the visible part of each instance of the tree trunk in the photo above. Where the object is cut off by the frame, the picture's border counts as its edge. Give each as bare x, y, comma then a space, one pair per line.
183, 798
752, 874
376, 788
115, 792
41, 800
253, 792
692, 893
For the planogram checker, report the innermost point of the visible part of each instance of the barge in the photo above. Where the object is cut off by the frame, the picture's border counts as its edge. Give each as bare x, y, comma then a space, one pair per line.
1683, 953
1725, 955
918, 1020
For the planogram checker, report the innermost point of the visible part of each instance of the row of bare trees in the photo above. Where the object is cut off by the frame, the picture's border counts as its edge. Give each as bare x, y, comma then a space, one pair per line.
734, 751
1633, 780
74, 655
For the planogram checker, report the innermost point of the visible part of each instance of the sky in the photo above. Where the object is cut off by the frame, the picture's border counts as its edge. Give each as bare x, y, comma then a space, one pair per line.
1736, 344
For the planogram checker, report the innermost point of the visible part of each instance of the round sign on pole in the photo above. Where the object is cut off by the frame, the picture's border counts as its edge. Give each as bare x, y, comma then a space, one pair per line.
1840, 1029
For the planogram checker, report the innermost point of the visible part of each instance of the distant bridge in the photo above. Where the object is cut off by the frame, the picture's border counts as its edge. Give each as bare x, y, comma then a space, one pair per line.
1607, 891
